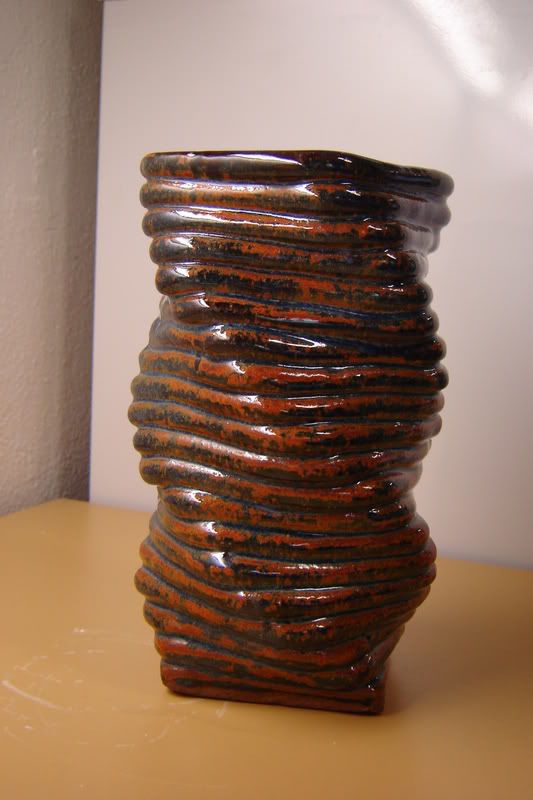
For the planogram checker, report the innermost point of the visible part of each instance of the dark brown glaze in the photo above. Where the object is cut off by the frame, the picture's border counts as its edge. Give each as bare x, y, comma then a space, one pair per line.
287, 396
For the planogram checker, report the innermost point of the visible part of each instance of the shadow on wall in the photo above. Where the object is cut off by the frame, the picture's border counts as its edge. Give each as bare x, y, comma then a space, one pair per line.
77, 301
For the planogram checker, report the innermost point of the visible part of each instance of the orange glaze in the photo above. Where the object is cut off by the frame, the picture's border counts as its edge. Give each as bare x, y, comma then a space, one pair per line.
286, 398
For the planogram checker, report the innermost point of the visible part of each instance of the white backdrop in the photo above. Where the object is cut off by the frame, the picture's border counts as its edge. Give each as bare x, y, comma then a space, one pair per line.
433, 83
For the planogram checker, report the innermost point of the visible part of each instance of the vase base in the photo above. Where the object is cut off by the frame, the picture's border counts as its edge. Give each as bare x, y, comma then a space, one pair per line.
367, 699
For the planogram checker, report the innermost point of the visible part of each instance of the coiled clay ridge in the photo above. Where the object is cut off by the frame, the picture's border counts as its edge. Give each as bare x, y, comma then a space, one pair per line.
287, 396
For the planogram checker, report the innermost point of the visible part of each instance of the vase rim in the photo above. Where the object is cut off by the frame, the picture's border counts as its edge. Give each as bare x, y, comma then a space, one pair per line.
292, 164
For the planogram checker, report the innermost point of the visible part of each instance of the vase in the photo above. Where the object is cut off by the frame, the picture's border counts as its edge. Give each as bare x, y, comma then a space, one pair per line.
285, 401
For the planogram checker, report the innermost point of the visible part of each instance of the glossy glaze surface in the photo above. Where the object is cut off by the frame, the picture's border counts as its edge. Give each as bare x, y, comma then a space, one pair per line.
286, 399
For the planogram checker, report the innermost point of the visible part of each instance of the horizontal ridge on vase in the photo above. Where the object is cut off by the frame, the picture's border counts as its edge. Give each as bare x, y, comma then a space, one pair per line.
285, 401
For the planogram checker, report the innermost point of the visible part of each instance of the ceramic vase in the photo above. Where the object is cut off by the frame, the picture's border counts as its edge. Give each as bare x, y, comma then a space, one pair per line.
286, 399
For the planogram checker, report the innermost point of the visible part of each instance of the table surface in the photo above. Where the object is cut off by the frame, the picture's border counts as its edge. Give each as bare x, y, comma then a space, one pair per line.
83, 713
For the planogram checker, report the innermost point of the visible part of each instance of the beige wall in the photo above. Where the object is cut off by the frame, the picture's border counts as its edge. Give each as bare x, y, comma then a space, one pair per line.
442, 84
49, 80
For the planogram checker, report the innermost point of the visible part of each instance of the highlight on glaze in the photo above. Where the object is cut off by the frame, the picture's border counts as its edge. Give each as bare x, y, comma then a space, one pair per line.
286, 399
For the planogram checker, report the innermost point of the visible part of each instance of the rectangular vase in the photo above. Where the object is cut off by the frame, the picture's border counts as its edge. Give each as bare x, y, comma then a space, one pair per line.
286, 399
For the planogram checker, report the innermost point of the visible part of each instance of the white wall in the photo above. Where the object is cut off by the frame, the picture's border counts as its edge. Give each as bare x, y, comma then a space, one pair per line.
49, 77
427, 82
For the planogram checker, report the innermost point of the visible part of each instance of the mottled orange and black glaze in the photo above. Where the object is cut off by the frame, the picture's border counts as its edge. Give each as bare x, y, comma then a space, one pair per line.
287, 396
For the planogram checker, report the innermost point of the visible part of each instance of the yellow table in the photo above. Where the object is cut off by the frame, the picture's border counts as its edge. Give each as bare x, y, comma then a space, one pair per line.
83, 714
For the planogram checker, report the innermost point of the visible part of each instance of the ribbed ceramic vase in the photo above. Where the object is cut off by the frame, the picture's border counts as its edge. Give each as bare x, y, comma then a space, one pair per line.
286, 399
